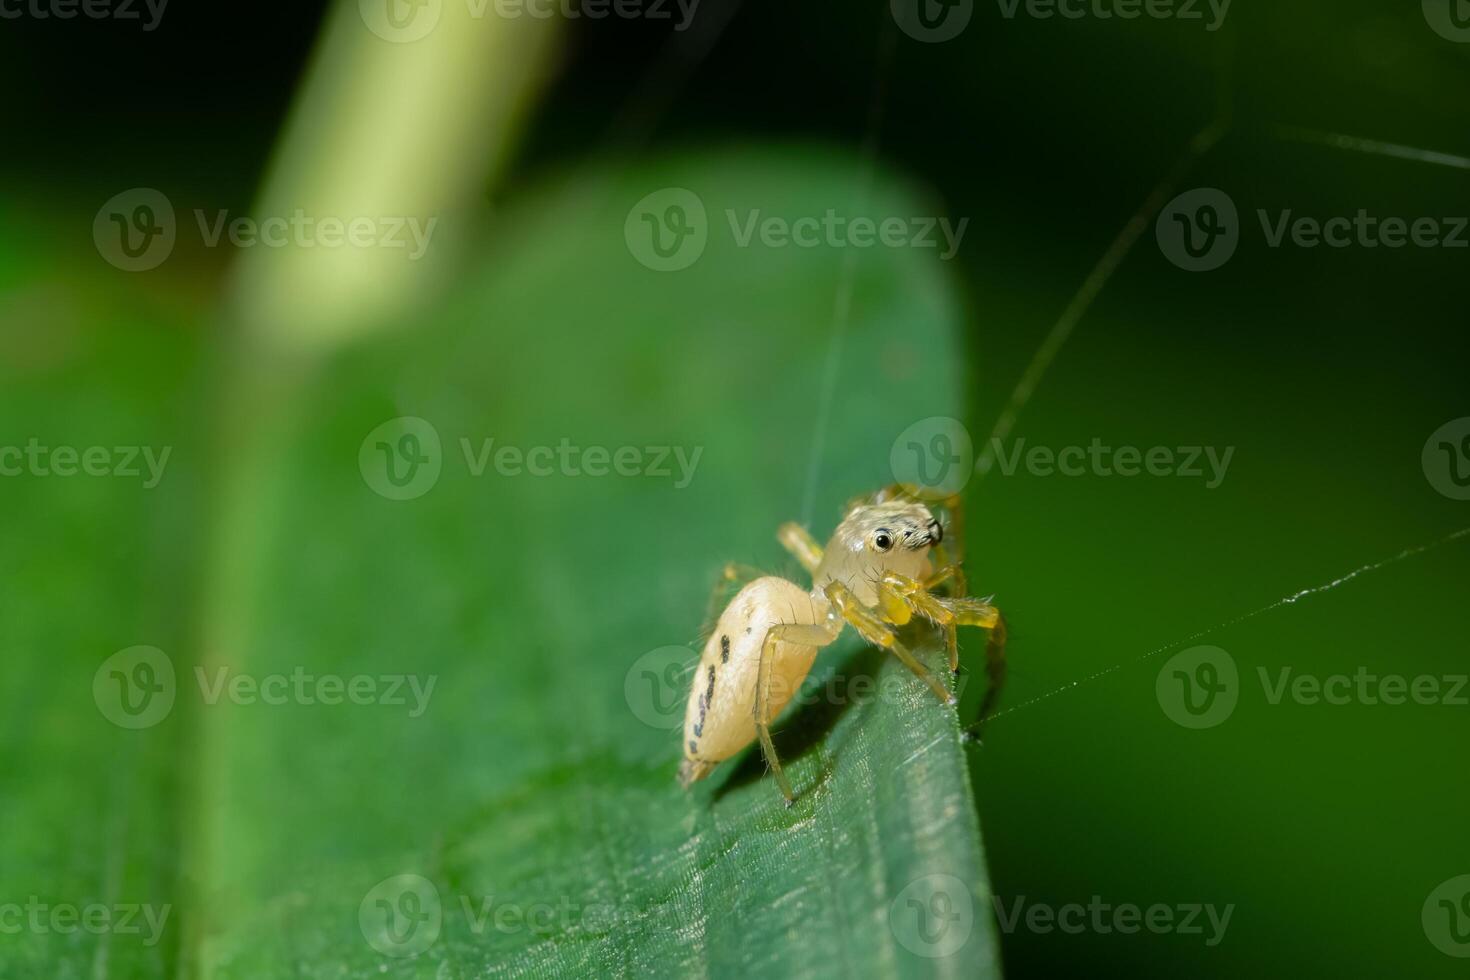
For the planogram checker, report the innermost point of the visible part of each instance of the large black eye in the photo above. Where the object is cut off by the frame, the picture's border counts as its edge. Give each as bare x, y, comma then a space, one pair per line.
883, 540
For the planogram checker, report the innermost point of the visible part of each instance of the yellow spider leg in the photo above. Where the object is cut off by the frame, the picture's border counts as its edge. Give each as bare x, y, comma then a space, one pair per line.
914, 597
952, 613
816, 636
949, 572
975, 612
940, 578
797, 540
872, 628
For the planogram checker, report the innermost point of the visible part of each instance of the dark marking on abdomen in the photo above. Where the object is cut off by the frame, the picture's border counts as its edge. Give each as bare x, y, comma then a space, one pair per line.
724, 649
704, 701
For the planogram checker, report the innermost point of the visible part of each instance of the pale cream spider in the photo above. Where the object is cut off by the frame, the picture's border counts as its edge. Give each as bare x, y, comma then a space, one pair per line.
874, 574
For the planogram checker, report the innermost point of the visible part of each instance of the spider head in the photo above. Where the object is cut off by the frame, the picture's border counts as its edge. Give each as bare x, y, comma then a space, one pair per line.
894, 535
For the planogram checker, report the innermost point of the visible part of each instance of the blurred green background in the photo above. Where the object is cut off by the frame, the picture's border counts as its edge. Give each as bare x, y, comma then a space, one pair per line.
1325, 827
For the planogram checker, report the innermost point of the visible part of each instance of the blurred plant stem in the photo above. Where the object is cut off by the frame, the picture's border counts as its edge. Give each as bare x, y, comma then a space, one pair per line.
387, 131
384, 130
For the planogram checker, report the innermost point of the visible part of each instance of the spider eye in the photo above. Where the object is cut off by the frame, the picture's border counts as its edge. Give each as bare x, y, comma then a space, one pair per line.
883, 540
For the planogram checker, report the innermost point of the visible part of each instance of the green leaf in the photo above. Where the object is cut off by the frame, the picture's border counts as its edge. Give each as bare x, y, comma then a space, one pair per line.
532, 787
90, 810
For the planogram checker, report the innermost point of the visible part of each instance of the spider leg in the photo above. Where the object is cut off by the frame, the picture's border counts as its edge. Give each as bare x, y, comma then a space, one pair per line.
869, 623
817, 635
974, 612
798, 540
949, 614
899, 597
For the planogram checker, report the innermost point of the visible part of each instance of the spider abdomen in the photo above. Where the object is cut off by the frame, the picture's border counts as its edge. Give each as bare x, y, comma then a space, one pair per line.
719, 719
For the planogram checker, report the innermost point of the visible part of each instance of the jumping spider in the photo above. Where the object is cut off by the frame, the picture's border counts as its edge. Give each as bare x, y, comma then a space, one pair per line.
874, 574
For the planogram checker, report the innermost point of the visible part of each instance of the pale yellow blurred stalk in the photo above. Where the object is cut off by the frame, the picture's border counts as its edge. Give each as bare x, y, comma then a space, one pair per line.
412, 128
